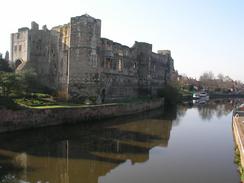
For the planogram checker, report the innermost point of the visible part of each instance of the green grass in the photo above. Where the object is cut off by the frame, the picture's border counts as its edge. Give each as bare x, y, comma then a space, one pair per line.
34, 102
237, 161
69, 105
45, 101
41, 103
48, 103
57, 106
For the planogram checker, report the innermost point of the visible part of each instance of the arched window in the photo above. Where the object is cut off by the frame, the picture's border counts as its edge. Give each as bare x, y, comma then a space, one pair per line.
18, 62
120, 65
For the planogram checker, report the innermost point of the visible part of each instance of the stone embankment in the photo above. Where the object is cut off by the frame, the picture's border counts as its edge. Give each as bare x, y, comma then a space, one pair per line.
12, 120
238, 131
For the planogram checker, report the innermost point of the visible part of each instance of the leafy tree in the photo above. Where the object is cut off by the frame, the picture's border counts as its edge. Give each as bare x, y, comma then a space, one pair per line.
171, 95
30, 81
4, 66
10, 83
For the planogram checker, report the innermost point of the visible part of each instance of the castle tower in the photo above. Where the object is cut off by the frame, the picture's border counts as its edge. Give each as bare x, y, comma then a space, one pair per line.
143, 53
84, 75
19, 47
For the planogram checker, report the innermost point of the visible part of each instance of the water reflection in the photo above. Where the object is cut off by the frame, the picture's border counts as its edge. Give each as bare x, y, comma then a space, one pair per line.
84, 152
88, 152
213, 108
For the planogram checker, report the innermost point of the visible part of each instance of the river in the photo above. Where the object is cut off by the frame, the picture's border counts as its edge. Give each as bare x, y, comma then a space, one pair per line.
187, 144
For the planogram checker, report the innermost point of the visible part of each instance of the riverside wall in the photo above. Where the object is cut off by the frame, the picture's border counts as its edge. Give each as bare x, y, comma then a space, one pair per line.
239, 136
12, 120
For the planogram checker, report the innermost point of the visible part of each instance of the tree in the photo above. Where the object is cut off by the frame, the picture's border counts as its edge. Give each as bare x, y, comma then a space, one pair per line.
206, 76
4, 66
18, 83
207, 79
10, 83
6, 56
30, 81
220, 77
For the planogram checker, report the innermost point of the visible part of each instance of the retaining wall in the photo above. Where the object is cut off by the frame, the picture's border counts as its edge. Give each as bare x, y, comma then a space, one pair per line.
11, 120
239, 137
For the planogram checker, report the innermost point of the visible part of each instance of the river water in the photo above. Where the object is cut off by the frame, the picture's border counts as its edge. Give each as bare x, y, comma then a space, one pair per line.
187, 144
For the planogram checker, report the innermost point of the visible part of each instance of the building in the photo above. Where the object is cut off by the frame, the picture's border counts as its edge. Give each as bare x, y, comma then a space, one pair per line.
75, 61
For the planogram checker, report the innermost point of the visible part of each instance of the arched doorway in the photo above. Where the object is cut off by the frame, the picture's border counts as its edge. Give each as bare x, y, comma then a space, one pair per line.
17, 63
103, 95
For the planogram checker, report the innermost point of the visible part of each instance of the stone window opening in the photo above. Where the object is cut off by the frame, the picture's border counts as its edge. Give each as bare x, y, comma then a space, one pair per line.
94, 60
15, 48
20, 47
18, 35
134, 65
103, 95
120, 65
52, 53
38, 45
108, 63
18, 62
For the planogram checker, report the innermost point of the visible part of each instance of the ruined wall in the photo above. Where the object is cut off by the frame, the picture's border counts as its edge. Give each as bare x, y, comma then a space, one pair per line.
75, 61
30, 50
118, 70
61, 49
131, 72
46, 52
84, 73
168, 64
19, 47
39, 45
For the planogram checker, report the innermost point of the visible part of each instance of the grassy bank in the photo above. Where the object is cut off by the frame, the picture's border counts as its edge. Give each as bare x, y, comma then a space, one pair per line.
237, 161
45, 101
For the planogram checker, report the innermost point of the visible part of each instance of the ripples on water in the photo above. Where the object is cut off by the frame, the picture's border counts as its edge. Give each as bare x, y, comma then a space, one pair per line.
188, 144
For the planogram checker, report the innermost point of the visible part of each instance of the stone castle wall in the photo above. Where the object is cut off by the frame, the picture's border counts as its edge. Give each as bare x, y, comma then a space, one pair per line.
74, 60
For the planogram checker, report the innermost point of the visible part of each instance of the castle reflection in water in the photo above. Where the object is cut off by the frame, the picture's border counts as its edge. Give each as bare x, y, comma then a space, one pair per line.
85, 152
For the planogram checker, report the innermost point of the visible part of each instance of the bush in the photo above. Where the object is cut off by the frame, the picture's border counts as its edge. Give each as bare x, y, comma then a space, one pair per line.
171, 95
32, 102
10, 84
8, 103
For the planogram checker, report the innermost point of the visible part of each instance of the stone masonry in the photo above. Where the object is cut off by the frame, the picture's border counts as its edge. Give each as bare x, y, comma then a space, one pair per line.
77, 63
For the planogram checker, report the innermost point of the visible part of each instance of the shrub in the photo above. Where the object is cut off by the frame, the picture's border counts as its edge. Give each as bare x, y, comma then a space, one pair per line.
171, 95
8, 103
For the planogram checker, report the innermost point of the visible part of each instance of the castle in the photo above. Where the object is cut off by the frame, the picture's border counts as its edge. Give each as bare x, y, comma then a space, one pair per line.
76, 62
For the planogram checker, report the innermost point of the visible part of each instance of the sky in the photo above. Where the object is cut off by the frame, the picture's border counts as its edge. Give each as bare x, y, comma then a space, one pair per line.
203, 35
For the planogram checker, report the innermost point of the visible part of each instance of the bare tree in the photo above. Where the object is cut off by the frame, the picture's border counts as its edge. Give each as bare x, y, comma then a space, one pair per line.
207, 76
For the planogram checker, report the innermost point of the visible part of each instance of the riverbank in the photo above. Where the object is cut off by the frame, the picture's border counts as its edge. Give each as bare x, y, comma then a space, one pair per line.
238, 131
221, 95
214, 96
12, 120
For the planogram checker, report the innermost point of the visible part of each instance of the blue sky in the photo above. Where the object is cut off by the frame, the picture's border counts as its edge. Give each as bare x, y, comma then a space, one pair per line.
203, 35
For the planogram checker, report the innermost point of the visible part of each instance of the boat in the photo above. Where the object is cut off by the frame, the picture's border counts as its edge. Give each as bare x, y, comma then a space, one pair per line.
203, 94
200, 95
196, 96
